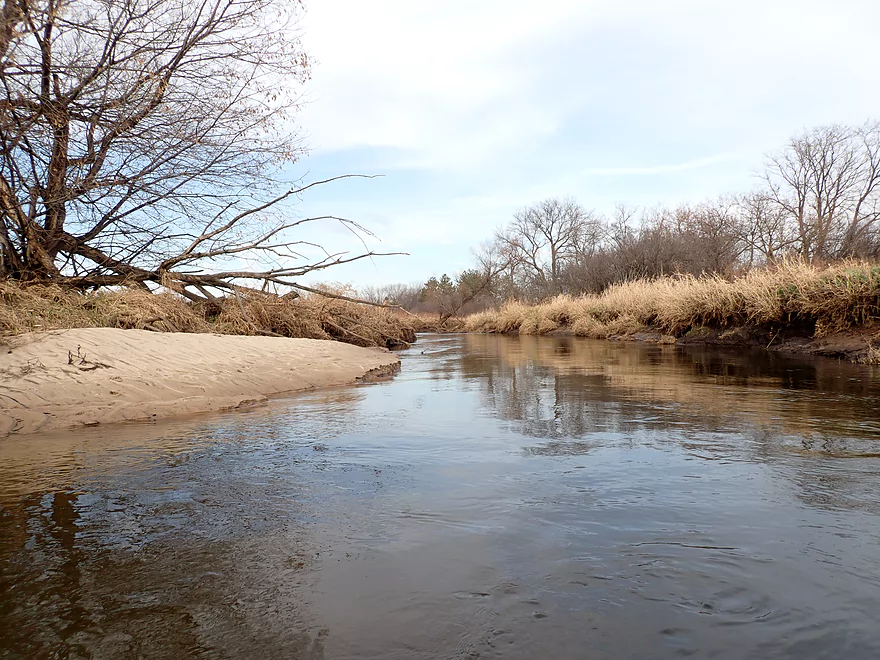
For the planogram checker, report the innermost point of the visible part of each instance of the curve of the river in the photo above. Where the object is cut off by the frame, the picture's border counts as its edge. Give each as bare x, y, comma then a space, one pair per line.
501, 497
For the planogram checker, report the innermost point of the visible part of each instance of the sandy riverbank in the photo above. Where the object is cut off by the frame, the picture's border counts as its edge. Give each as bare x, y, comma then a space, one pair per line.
70, 378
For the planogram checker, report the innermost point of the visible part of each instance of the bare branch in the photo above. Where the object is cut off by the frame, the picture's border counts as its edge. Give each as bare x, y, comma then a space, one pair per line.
140, 141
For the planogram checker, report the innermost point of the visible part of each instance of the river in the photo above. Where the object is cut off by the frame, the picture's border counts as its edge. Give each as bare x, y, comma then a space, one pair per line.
501, 497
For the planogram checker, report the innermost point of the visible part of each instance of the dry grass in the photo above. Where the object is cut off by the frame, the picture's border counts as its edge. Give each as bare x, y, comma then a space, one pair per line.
32, 308
836, 298
426, 322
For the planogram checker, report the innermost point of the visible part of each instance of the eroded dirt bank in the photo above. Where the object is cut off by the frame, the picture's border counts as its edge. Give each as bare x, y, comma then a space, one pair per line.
857, 346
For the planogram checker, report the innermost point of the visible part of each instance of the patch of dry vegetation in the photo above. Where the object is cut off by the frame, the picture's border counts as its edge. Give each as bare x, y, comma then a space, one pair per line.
33, 308
833, 299
427, 322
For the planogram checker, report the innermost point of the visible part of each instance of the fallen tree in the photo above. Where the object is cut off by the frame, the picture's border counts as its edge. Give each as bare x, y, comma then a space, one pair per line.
144, 141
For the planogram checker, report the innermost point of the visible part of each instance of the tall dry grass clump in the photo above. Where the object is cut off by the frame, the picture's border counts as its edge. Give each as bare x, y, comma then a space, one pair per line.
314, 316
34, 308
835, 298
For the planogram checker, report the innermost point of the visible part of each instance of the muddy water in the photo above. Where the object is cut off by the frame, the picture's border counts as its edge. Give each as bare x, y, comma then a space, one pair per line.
500, 498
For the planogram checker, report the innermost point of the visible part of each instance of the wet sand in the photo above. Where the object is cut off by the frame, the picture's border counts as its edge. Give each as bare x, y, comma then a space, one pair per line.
70, 378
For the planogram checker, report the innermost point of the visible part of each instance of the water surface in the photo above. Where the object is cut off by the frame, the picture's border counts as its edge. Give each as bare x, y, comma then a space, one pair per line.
500, 498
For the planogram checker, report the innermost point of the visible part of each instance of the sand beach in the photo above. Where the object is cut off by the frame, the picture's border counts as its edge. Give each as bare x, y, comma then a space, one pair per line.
87, 376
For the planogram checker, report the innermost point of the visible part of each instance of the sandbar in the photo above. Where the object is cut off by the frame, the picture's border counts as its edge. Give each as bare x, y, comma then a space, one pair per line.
65, 379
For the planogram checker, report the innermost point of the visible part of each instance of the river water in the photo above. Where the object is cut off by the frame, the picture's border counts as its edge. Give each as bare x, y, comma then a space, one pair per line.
501, 497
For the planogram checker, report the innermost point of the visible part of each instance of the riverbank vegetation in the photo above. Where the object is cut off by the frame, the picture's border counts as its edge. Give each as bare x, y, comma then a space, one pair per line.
325, 315
145, 186
791, 295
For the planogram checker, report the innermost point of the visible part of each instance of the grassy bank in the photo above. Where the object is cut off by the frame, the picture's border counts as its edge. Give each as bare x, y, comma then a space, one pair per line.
32, 308
792, 299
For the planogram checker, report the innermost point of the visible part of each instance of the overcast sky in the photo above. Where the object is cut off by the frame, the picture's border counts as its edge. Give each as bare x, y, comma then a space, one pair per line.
472, 109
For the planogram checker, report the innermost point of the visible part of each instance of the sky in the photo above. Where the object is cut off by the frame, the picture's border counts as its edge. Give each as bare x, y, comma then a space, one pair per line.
470, 110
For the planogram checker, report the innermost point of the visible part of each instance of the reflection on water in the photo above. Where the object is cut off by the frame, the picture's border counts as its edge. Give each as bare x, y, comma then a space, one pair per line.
565, 387
501, 498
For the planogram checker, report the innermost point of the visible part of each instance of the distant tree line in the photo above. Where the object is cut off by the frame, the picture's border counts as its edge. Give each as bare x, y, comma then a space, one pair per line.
818, 200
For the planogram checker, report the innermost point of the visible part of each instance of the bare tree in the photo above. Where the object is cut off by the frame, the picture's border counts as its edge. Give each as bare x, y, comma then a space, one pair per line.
655, 244
827, 182
141, 141
763, 228
713, 231
694, 239
403, 295
544, 237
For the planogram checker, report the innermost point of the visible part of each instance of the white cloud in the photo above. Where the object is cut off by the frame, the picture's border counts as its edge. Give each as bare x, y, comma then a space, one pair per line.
694, 164
473, 109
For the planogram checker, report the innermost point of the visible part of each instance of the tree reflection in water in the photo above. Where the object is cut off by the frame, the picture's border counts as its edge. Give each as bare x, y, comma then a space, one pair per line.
577, 395
558, 388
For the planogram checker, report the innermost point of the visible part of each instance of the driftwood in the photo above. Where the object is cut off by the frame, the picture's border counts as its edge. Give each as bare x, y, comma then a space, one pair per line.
149, 324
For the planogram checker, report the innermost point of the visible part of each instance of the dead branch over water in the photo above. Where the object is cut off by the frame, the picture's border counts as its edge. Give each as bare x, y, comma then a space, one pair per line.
142, 142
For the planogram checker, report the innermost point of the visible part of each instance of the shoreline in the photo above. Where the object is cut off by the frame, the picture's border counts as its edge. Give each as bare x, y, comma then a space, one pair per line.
64, 379
853, 346
792, 306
